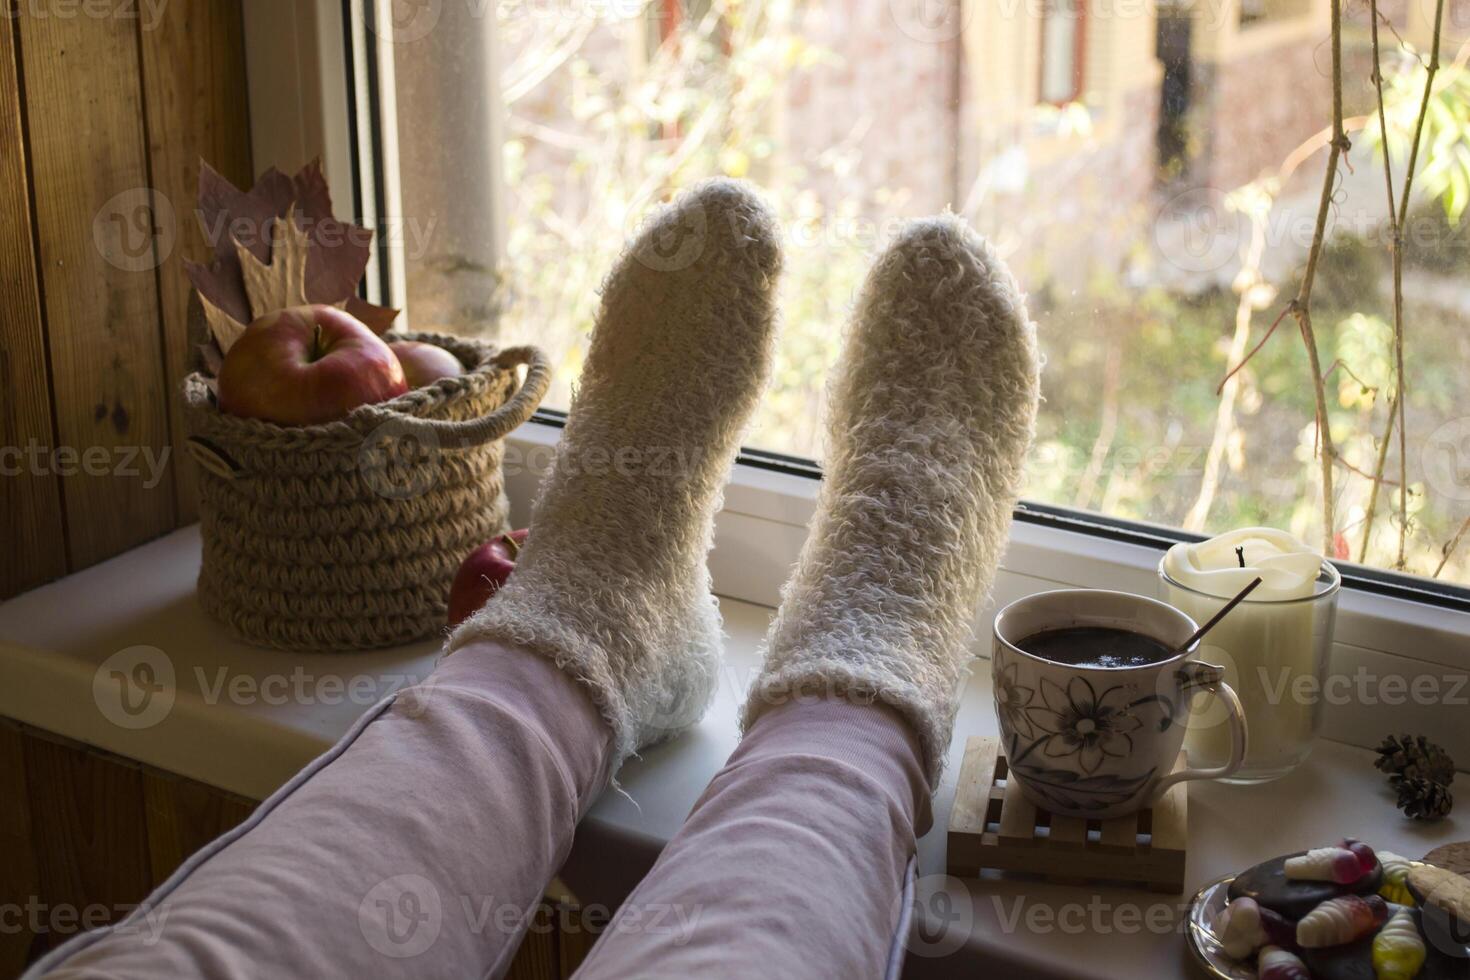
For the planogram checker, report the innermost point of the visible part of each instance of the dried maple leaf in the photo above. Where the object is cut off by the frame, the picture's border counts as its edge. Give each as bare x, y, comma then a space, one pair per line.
209, 356
313, 257
281, 283
379, 319
224, 329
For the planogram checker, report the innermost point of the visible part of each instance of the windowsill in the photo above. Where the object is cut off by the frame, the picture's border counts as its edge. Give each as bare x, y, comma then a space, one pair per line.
56, 637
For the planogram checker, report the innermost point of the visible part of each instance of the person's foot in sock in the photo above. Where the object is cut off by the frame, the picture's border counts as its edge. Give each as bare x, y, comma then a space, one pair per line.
612, 583
931, 413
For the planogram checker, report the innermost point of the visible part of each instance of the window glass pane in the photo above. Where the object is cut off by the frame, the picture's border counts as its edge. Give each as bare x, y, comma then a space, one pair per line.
1151, 170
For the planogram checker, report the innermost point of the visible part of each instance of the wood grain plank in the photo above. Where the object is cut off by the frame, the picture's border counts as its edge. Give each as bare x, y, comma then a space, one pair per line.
96, 225
1170, 829
972, 787
537, 959
30, 495
1068, 832
91, 849
1169, 838
1120, 834
578, 933
1017, 817
971, 806
182, 817
19, 882
1065, 854
197, 107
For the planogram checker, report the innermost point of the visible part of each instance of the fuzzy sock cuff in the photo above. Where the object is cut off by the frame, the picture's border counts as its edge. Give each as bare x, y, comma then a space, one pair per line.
836, 677
525, 624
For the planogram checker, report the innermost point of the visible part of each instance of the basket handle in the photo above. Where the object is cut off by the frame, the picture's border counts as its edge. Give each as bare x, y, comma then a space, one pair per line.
499, 423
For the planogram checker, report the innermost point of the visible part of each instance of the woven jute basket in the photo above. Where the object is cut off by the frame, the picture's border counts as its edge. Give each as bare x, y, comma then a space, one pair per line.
346, 536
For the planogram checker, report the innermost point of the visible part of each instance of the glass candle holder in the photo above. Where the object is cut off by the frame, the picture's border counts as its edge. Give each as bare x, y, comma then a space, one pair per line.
1275, 654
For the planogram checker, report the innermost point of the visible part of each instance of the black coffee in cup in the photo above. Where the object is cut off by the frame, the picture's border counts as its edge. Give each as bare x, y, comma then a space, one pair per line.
1096, 646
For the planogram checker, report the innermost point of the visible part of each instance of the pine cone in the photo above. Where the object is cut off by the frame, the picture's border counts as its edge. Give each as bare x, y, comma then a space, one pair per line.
1414, 757
1421, 799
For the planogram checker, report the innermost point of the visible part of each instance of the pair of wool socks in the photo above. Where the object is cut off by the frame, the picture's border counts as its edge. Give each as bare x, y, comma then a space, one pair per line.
931, 413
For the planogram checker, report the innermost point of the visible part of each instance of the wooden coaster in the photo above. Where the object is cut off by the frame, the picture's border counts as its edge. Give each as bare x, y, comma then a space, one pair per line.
991, 825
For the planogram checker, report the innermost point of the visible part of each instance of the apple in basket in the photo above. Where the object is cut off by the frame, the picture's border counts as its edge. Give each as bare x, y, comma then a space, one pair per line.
423, 364
307, 365
483, 573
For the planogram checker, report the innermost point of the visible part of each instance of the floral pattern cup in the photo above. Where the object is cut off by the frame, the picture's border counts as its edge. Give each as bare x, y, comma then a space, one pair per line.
1101, 742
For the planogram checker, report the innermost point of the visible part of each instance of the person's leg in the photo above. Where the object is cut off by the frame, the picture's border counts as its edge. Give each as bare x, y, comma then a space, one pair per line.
415, 846
415, 849
613, 584
794, 862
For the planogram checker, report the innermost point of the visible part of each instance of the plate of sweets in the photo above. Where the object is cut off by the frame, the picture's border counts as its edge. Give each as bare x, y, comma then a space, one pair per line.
1343, 912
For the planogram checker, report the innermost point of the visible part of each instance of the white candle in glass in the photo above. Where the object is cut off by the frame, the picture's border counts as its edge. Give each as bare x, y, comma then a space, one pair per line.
1266, 644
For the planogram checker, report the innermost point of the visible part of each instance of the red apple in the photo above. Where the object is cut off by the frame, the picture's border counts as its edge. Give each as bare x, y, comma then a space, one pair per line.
423, 364
305, 366
483, 573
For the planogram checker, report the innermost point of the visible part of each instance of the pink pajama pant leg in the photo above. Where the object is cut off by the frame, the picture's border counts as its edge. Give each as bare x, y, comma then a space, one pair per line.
793, 864
417, 846
414, 848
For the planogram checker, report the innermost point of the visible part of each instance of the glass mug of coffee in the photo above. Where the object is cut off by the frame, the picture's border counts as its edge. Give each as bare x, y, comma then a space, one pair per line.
1093, 695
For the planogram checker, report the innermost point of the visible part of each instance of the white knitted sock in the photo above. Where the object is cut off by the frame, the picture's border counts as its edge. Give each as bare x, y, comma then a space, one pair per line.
930, 416
612, 583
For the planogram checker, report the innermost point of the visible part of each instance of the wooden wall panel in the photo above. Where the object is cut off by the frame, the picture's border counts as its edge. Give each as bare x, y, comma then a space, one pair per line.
88, 835
182, 816
537, 959
80, 827
84, 829
30, 495
94, 221
195, 92
19, 885
577, 933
